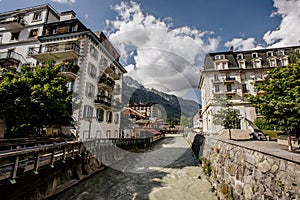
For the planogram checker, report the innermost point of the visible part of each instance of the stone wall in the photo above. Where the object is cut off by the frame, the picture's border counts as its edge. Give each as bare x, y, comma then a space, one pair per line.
244, 173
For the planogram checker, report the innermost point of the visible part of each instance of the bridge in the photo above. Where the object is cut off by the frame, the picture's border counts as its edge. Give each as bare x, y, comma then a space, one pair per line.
18, 156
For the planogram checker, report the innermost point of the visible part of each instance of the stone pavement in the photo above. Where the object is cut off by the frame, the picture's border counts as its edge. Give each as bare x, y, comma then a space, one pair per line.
269, 147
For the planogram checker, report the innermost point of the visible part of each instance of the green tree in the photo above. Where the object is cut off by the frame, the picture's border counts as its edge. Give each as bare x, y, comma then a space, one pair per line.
281, 102
34, 99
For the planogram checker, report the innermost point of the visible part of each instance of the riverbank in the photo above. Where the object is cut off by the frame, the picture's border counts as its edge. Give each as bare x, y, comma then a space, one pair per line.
251, 169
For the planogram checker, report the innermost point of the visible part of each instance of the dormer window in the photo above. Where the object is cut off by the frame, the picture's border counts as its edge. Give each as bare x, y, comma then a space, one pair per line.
254, 55
240, 56
281, 53
269, 53
37, 16
219, 57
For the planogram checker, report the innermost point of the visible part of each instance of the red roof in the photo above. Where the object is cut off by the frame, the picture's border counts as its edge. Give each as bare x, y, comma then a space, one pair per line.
155, 132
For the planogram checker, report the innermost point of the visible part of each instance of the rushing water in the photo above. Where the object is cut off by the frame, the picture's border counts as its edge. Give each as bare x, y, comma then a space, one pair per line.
167, 170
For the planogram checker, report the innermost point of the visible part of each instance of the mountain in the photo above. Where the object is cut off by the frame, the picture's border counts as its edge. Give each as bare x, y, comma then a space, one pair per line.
175, 107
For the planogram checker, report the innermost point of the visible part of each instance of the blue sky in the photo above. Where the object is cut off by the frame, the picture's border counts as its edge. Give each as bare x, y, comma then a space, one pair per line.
163, 42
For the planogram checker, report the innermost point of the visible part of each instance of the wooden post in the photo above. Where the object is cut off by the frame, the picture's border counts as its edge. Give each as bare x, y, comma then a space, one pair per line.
64, 154
14, 172
52, 158
36, 163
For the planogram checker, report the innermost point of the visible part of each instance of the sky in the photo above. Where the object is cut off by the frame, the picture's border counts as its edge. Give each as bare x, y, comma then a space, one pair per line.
162, 43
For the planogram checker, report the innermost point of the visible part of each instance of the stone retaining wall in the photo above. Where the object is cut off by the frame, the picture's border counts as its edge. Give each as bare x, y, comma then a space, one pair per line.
243, 173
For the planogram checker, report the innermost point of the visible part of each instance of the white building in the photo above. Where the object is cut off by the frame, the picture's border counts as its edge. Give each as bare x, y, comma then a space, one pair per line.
38, 34
197, 121
229, 76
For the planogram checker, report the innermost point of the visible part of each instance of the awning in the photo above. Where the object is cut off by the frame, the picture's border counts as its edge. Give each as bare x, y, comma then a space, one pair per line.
155, 132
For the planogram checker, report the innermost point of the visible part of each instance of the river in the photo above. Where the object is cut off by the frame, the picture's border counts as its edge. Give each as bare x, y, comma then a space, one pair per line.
166, 170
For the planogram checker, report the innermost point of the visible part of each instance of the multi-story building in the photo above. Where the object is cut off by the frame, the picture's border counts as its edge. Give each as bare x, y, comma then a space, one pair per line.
149, 110
197, 121
91, 65
228, 76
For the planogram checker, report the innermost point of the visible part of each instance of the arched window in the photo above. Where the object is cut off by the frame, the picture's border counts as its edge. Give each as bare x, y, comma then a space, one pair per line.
100, 115
108, 116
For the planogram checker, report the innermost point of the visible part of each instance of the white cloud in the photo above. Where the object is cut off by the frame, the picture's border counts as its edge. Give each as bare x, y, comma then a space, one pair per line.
287, 34
64, 1
241, 44
163, 55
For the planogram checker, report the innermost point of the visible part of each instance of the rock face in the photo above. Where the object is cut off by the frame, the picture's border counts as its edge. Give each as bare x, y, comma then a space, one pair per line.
242, 173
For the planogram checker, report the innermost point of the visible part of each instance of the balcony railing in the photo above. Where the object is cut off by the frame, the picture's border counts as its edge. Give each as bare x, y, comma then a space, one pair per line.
12, 23
70, 70
104, 101
229, 79
11, 58
57, 51
106, 82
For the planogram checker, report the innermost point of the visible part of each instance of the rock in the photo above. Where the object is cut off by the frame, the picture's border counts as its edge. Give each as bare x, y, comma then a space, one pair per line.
264, 166
248, 193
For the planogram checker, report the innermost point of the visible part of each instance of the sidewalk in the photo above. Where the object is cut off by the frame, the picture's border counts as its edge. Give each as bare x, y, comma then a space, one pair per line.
268, 147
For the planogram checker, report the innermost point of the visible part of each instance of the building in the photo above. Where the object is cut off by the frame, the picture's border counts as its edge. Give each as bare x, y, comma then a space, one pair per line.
228, 76
197, 121
39, 34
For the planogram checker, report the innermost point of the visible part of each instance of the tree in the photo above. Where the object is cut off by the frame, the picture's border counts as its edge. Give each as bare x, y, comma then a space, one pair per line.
281, 102
34, 99
225, 116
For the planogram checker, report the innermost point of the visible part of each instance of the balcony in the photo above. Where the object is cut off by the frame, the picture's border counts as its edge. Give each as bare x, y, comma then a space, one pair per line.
229, 79
10, 58
106, 83
103, 101
57, 51
231, 92
12, 23
69, 70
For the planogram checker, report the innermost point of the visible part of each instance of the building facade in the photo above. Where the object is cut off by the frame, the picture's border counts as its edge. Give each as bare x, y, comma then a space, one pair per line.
227, 77
89, 61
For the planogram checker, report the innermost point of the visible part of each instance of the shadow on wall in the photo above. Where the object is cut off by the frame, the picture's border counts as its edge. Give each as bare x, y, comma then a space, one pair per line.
198, 145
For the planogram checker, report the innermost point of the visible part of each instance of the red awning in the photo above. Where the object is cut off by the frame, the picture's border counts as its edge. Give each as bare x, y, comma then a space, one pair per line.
155, 132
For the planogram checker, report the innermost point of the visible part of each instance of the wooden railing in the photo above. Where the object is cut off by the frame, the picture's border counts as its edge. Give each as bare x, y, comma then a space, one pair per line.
25, 154
32, 158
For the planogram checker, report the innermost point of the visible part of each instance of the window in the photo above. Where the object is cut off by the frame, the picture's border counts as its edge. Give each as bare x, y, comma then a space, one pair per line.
30, 51
1, 39
229, 88
15, 35
89, 90
73, 28
33, 33
216, 77
70, 86
254, 55
108, 134
100, 115
53, 31
103, 61
93, 51
37, 16
240, 56
92, 70
217, 88
244, 87
116, 118
269, 53
219, 57
88, 111
281, 53
108, 116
